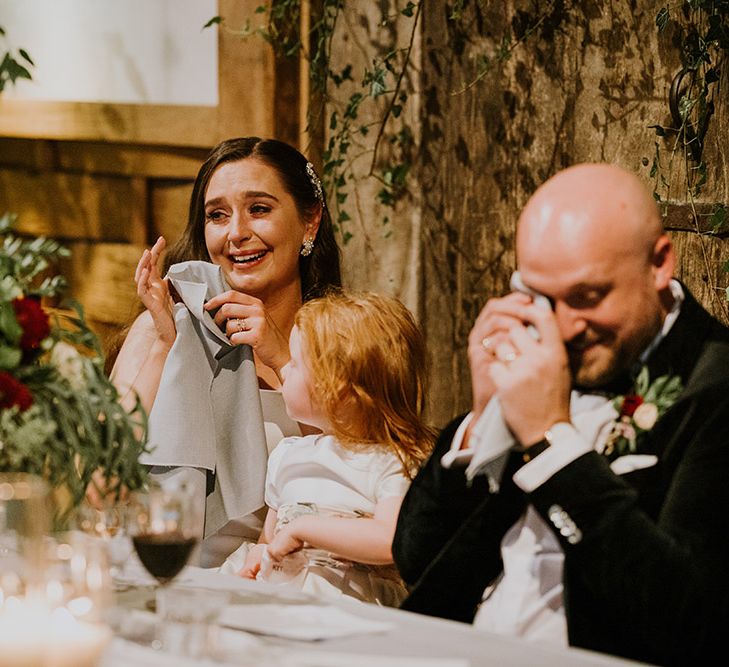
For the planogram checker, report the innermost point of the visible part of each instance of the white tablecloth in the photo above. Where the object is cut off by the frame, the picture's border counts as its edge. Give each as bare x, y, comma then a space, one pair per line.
411, 640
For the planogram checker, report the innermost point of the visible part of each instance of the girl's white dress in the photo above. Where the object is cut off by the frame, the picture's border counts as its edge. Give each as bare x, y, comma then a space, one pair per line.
314, 474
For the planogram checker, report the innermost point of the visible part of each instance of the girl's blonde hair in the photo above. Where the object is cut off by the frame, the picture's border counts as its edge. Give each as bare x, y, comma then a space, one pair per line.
366, 358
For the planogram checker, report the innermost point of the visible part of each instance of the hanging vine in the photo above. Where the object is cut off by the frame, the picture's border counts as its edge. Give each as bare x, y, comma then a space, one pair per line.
701, 29
362, 111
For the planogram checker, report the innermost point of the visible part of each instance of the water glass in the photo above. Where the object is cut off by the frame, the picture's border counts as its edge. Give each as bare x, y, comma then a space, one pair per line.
188, 618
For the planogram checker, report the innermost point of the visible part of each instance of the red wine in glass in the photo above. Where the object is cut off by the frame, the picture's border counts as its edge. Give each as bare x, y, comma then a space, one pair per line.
165, 527
163, 554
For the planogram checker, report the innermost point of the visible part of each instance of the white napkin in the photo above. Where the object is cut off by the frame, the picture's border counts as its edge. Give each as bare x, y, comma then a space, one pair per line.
591, 414
308, 622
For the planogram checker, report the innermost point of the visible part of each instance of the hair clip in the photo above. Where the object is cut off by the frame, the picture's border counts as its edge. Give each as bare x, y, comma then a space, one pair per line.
315, 182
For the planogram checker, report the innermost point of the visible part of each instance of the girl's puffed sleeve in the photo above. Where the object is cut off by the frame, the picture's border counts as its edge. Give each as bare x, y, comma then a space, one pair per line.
392, 480
272, 495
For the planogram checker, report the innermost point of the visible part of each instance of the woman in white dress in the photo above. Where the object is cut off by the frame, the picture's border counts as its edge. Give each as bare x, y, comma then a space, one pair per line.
258, 213
356, 373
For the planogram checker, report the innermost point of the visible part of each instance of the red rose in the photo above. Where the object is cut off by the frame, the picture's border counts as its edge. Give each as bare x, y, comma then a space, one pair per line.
630, 405
33, 320
13, 393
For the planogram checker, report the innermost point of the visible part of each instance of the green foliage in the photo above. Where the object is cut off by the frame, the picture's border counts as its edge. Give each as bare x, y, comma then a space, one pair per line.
14, 65
75, 424
485, 62
700, 30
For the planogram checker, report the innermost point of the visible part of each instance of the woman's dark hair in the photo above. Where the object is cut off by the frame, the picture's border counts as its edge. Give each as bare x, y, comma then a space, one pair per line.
320, 270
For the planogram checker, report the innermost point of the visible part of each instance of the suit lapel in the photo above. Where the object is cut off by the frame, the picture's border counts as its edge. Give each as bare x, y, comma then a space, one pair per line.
697, 350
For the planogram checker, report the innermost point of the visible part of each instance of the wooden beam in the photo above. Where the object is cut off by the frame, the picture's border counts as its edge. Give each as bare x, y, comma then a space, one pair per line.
134, 123
70, 206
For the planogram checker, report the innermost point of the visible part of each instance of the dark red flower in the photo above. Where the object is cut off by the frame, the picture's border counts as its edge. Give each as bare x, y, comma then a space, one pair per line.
13, 393
33, 320
630, 405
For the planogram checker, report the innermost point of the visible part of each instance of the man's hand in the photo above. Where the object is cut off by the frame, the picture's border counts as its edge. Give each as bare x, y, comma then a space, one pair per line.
489, 338
532, 380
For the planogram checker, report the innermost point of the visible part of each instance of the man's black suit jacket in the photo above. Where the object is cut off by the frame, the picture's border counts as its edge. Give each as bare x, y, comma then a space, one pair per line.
648, 577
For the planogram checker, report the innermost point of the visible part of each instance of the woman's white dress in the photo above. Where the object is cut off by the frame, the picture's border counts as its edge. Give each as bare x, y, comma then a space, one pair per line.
314, 474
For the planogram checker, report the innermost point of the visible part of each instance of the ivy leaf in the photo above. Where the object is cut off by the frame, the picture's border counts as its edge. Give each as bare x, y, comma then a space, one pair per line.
719, 218
2, 31
660, 131
409, 9
9, 326
684, 106
711, 76
216, 20
457, 11
9, 357
378, 82
346, 237
24, 55
662, 18
396, 110
261, 9
701, 173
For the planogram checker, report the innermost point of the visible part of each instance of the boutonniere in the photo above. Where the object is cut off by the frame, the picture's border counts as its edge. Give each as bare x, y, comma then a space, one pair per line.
639, 410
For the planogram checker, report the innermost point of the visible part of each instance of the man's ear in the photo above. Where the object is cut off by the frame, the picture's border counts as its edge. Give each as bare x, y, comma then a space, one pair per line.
663, 262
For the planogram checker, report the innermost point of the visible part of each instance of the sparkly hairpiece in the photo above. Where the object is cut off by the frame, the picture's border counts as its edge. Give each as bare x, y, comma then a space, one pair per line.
315, 182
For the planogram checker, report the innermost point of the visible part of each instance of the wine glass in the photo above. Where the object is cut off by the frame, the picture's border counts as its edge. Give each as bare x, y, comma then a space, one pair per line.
24, 520
108, 525
165, 527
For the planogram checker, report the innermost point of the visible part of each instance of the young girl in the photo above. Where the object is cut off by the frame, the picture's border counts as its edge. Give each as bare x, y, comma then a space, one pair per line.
356, 373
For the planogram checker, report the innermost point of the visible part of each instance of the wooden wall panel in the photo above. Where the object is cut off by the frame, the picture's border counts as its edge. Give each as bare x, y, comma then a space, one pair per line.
123, 159
70, 206
169, 202
101, 277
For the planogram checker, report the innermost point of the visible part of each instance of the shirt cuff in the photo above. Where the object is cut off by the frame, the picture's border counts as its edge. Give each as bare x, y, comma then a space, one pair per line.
456, 456
566, 445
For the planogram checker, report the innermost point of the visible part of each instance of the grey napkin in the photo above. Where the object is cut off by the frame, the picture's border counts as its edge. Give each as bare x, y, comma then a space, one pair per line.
207, 412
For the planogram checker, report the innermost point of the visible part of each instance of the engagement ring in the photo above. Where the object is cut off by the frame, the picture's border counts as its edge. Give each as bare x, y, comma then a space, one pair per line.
507, 357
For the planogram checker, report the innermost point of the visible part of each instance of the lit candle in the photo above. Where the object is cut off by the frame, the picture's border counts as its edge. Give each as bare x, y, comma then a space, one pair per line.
73, 643
23, 631
33, 636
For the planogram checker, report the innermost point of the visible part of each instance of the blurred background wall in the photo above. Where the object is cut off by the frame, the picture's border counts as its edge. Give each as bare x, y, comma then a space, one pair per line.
482, 102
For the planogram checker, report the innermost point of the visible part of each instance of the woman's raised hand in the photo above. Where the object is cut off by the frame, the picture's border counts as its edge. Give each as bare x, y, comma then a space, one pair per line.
154, 292
245, 320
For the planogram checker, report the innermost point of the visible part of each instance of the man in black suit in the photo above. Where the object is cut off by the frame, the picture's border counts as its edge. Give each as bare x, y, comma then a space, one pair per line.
608, 528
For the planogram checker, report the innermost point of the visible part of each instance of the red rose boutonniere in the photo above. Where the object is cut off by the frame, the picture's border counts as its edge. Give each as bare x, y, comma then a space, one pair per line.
640, 410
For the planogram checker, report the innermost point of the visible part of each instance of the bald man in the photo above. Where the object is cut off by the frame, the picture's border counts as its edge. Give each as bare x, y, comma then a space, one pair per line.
605, 526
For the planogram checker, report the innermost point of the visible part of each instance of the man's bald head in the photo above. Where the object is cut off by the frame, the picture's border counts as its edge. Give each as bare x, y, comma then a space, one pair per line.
592, 204
591, 240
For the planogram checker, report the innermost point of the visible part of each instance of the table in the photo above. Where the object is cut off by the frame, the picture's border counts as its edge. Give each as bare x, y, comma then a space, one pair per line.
427, 641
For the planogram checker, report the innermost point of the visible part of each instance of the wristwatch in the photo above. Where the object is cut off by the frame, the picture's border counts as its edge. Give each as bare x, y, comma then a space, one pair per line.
551, 435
